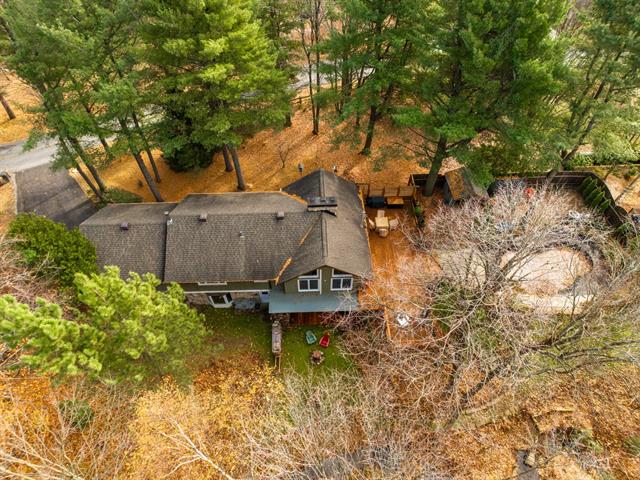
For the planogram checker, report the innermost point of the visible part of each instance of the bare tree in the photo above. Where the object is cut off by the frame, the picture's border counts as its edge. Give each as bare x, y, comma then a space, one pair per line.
340, 426
284, 151
467, 318
57, 448
312, 16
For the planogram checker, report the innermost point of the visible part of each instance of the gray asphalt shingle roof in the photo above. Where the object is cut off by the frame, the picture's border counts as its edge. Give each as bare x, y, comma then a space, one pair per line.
241, 237
140, 248
340, 240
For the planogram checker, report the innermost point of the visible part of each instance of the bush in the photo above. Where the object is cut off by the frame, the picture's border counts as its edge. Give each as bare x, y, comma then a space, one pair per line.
56, 251
189, 157
632, 445
76, 413
117, 195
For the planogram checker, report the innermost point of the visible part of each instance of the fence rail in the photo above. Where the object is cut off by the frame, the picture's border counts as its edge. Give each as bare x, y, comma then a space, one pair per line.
405, 191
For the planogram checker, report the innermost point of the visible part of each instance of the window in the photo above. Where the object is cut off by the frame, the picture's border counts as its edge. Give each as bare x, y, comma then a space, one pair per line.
222, 300
309, 282
202, 284
341, 280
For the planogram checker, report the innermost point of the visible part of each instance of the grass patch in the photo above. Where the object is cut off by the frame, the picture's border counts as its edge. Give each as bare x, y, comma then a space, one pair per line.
234, 333
296, 352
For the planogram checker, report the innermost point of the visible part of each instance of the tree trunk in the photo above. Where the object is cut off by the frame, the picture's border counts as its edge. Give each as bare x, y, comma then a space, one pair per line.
236, 164
147, 149
227, 162
439, 156
82, 154
371, 125
88, 181
7, 107
143, 168
96, 127
82, 173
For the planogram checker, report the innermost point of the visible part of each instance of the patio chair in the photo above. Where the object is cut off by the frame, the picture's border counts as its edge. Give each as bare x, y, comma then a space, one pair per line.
394, 223
380, 214
371, 223
310, 337
324, 341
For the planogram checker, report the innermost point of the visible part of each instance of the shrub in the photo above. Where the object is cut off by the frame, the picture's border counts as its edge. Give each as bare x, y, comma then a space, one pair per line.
189, 157
56, 251
632, 445
594, 193
76, 413
597, 200
117, 195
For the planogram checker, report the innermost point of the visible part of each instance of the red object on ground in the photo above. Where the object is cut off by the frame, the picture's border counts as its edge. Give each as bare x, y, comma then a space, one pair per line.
324, 341
529, 192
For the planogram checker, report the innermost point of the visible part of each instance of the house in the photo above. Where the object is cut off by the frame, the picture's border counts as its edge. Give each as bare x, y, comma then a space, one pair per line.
459, 186
302, 249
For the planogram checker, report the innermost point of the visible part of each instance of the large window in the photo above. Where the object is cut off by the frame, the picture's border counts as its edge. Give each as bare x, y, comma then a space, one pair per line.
309, 282
341, 281
222, 300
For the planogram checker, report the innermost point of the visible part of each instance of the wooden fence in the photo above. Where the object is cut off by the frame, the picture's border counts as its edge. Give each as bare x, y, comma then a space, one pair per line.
368, 190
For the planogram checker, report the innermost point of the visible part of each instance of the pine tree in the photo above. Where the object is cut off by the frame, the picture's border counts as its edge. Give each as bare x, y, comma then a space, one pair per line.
604, 57
127, 330
377, 41
214, 74
483, 69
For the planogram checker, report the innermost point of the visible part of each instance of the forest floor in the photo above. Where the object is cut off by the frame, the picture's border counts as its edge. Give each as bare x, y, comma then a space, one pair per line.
7, 206
262, 166
21, 98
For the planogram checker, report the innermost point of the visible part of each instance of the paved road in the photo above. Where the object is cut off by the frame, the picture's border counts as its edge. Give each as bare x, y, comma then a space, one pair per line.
54, 195
14, 159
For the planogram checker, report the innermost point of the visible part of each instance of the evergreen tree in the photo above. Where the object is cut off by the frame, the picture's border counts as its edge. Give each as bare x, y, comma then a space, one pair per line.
215, 74
377, 41
604, 56
127, 330
483, 67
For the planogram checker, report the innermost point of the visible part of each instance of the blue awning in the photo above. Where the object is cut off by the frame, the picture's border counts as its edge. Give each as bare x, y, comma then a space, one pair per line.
280, 302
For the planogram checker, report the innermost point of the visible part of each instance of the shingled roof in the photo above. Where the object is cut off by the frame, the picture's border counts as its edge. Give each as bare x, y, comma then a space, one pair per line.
131, 236
238, 236
242, 239
339, 239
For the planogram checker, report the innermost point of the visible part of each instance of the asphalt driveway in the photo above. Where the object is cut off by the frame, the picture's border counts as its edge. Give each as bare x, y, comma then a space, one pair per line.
54, 195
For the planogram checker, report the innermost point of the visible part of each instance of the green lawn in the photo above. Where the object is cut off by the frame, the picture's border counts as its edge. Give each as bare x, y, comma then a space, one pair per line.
296, 352
236, 333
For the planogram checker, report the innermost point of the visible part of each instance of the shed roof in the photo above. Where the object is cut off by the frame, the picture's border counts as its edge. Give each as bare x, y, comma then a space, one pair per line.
462, 186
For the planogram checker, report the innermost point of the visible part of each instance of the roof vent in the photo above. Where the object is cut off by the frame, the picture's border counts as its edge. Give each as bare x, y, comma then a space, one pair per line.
202, 217
166, 212
241, 234
124, 226
280, 215
316, 202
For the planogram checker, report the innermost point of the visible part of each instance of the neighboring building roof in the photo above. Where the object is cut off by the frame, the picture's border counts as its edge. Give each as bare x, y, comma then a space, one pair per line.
462, 186
241, 236
131, 236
